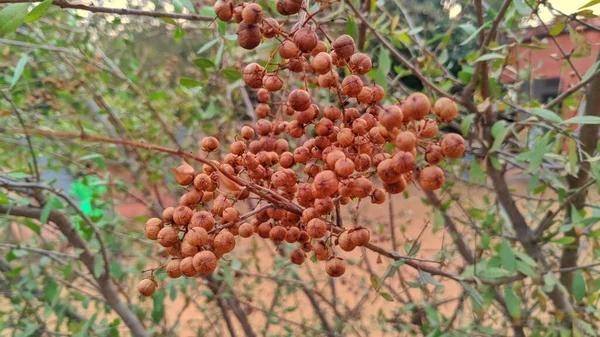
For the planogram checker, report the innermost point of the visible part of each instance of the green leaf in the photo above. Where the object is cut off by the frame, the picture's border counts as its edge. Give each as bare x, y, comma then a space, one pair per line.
33, 226
189, 83
19, 70
189, 5
558, 28
385, 63
381, 78
465, 124
473, 293
12, 17
490, 56
179, 34
38, 11
582, 120
204, 63
546, 114
591, 71
522, 8
46, 212
207, 46
507, 257
499, 132
169, 21
564, 240
351, 28
590, 4
386, 296
374, 282
512, 303
429, 279
578, 285
470, 29
231, 74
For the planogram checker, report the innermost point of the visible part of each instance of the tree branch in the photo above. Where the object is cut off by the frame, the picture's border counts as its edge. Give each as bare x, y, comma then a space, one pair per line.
118, 11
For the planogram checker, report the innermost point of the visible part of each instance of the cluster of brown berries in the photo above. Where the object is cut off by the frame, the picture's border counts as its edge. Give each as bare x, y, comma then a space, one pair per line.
302, 161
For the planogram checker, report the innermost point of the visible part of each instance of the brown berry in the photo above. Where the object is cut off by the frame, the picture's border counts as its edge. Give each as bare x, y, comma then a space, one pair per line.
270, 28
205, 262
453, 145
182, 215
288, 7
173, 268
343, 46
224, 10
297, 256
360, 236
246, 230
253, 75
248, 35
299, 100
416, 106
167, 214
360, 64
428, 128
320, 48
433, 154
224, 242
325, 184
406, 141
403, 162
316, 228
288, 49
184, 174
153, 226
378, 196
431, 178
168, 236
196, 236
335, 267
187, 266
252, 14
445, 109
202, 219
352, 86
391, 117
306, 39
361, 187
272, 82
322, 63
209, 144
277, 234
147, 286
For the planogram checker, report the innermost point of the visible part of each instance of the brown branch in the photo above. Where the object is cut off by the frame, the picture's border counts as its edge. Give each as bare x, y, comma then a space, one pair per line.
118, 11
571, 90
107, 287
588, 135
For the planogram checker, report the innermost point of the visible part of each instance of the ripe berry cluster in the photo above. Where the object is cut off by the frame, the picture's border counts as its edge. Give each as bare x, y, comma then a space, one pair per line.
303, 161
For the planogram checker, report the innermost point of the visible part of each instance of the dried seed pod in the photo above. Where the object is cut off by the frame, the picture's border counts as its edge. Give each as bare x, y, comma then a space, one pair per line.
270, 28
361, 187
428, 128
328, 80
224, 10
297, 256
288, 50
403, 162
396, 187
147, 286
230, 214
187, 266
362, 162
264, 229
202, 219
153, 226
337, 60
182, 215
299, 100
365, 96
292, 235
359, 236
345, 243
248, 35
253, 75
323, 206
288, 7
196, 236
360, 64
316, 228
247, 133
174, 250
272, 82
391, 117
202, 182
322, 251
378, 196
445, 109
322, 63
343, 46
168, 236
453, 145
187, 249
325, 184
433, 154
406, 141
332, 112
352, 86
209, 144
184, 174
416, 106
277, 234
320, 48
205, 262
167, 214
344, 167
252, 13
431, 178
224, 242
378, 92
386, 172
306, 39
173, 268
237, 12
246, 230
335, 267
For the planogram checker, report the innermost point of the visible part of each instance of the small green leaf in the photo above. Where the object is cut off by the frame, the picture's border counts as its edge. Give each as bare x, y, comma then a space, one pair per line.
374, 282
231, 74
590, 4
189, 83
582, 120
507, 257
45, 212
189, 5
490, 56
38, 11
351, 28
12, 17
465, 124
169, 21
564, 240
207, 46
33, 226
512, 303
546, 114
578, 285
19, 69
385, 63
210, 111
558, 28
469, 28
204, 63
473, 293
179, 34
499, 132
386, 296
